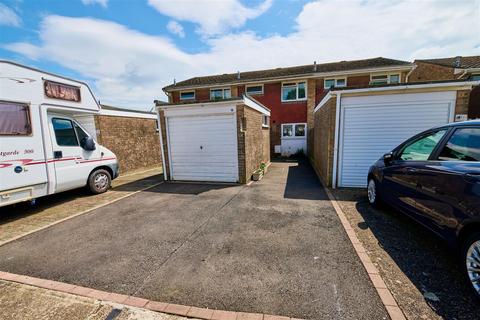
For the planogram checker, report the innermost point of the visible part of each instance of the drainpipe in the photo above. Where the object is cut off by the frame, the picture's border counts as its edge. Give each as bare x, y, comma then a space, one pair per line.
161, 143
409, 73
463, 74
335, 148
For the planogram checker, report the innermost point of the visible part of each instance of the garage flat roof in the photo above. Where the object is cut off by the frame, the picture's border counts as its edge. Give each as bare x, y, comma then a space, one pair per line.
245, 99
398, 86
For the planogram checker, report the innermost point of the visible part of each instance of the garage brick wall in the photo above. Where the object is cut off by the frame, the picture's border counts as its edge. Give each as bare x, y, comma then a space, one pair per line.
133, 140
462, 102
253, 142
324, 139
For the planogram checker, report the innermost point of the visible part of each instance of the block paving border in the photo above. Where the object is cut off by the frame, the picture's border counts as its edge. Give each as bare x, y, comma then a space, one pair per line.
132, 301
386, 296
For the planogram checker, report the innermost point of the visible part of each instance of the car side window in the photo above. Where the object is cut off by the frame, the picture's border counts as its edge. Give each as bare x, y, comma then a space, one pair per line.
64, 132
463, 145
421, 148
82, 135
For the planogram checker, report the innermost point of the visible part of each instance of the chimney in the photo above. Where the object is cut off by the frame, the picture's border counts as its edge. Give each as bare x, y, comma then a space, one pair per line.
174, 81
458, 62
238, 75
315, 66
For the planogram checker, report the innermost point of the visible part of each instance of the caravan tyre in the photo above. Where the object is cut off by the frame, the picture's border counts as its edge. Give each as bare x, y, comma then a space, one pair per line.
99, 181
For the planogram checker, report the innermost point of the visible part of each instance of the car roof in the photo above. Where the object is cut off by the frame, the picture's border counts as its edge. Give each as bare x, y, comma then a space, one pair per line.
460, 124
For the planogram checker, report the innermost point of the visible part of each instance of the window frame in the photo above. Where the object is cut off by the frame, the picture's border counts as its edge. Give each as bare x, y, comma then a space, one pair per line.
223, 93
294, 126
187, 99
296, 82
388, 75
446, 138
335, 82
473, 75
29, 119
254, 85
74, 131
265, 121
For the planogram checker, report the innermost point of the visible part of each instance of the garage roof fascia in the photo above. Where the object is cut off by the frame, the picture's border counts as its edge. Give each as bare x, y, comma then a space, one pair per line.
452, 85
245, 99
398, 68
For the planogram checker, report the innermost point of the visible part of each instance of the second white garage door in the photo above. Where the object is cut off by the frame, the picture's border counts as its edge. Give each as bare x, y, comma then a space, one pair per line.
370, 126
203, 148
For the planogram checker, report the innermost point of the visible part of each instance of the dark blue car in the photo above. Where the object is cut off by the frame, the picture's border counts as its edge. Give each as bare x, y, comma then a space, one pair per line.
434, 177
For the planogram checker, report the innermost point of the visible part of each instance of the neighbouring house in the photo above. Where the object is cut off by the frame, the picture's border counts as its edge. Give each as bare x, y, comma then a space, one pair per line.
218, 141
354, 127
131, 134
290, 93
453, 68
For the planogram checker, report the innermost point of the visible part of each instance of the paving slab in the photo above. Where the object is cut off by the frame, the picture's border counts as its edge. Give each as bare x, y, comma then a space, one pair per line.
274, 247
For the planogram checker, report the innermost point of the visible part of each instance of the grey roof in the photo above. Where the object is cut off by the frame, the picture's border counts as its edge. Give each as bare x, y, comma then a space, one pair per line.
456, 62
288, 72
108, 107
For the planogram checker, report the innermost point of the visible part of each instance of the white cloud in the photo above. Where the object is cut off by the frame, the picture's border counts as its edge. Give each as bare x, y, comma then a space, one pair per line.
103, 3
176, 28
8, 17
213, 17
129, 68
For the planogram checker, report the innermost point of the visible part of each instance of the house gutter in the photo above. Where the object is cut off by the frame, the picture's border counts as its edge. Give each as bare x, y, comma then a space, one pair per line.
294, 77
335, 147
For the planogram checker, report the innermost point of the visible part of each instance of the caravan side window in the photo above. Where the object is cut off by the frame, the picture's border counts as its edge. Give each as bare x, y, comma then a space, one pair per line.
14, 119
64, 132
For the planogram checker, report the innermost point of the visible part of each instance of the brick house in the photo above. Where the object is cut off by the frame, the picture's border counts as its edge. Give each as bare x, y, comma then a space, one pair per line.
290, 93
453, 68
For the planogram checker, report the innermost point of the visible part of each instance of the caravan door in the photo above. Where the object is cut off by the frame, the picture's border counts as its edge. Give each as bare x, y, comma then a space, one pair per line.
22, 158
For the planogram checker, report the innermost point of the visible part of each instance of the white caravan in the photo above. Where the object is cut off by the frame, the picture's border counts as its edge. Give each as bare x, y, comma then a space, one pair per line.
43, 148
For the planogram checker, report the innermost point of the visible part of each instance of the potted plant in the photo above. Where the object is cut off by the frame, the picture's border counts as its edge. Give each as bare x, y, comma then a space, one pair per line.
259, 173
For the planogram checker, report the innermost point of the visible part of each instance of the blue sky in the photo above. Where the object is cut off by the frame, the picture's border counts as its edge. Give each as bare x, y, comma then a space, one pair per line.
129, 49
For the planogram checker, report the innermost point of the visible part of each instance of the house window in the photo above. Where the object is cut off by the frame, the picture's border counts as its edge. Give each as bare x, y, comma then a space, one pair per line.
265, 121
385, 79
292, 91
293, 130
219, 94
475, 77
337, 83
14, 119
187, 95
255, 89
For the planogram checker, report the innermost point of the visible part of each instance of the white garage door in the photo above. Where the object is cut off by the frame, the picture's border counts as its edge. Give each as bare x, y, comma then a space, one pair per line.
203, 148
373, 125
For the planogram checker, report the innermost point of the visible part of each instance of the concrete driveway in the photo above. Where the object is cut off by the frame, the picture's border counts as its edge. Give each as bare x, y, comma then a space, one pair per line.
273, 247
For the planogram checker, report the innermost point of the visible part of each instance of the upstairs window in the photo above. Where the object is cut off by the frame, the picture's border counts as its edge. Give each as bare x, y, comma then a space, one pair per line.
292, 91
220, 94
14, 119
187, 95
255, 89
385, 79
334, 83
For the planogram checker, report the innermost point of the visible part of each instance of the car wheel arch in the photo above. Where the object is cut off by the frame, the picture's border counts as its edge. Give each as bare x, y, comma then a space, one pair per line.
467, 230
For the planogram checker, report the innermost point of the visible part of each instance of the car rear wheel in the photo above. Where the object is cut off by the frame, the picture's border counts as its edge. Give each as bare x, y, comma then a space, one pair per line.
99, 181
372, 193
471, 255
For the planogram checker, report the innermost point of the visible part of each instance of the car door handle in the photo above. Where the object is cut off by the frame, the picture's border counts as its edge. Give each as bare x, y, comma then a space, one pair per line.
57, 154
